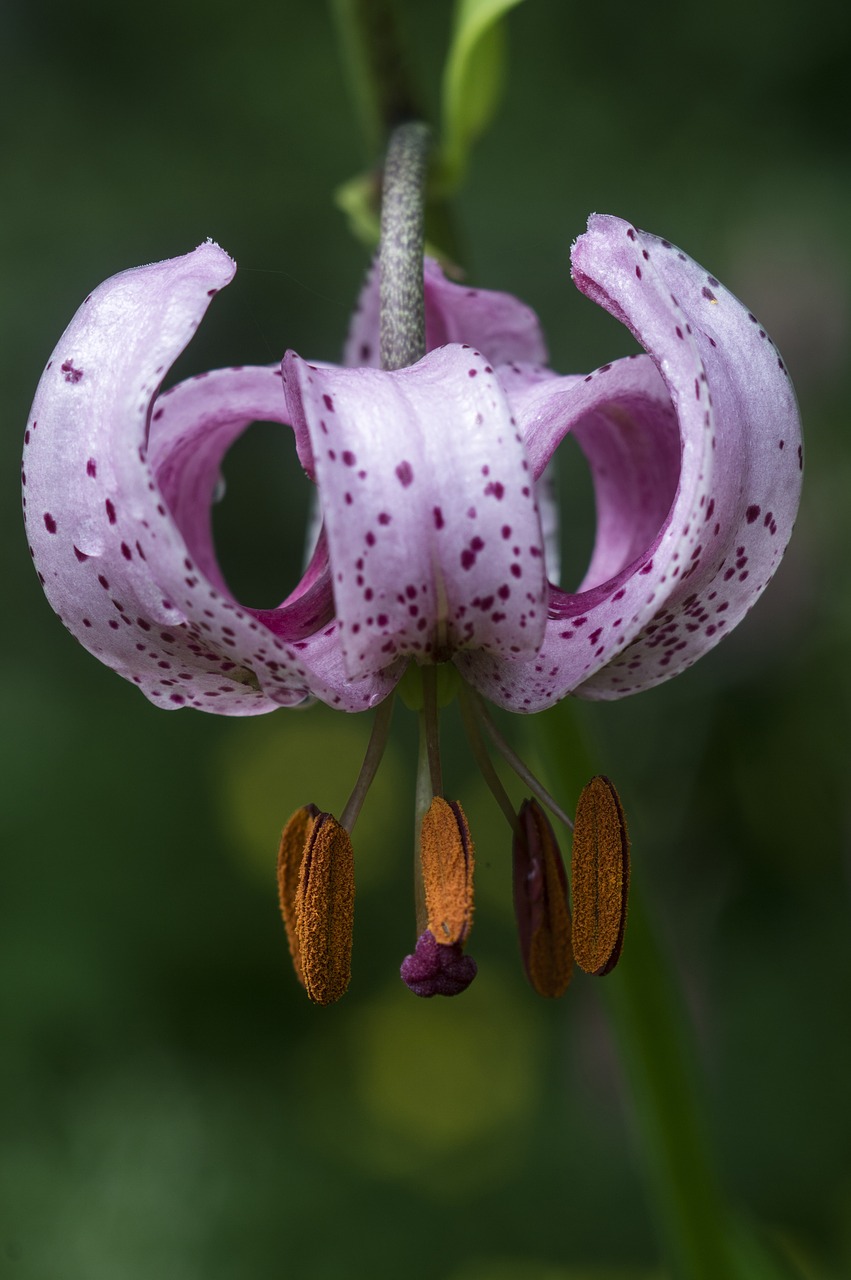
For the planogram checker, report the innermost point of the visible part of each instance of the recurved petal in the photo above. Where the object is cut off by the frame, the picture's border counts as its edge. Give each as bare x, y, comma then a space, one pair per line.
683, 549
623, 419
133, 578
737, 412
497, 324
429, 507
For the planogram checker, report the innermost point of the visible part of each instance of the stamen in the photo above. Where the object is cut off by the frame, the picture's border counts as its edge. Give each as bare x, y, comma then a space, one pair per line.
448, 862
483, 760
599, 877
294, 839
324, 910
541, 903
371, 761
511, 758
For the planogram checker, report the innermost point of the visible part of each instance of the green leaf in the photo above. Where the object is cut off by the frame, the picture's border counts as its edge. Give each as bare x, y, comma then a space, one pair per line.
360, 201
472, 81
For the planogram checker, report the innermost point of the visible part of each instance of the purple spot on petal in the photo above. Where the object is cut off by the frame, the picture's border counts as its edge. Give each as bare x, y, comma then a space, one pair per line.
405, 474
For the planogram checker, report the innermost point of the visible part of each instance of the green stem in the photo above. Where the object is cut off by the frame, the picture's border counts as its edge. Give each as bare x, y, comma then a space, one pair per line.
657, 1052
374, 55
657, 1049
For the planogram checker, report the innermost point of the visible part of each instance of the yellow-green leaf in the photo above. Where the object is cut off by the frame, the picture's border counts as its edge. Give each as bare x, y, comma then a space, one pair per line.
472, 81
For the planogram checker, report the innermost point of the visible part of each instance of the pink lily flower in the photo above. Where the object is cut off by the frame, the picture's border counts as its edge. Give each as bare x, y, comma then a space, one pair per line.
432, 547
431, 551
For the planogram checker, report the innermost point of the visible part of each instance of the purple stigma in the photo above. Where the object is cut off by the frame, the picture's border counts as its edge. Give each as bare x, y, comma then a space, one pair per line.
437, 970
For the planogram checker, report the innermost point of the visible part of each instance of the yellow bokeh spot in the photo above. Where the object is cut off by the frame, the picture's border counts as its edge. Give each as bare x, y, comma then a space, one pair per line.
417, 1088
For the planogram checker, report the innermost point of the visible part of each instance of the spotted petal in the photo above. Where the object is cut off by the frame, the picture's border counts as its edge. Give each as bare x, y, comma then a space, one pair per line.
432, 525
685, 545
119, 522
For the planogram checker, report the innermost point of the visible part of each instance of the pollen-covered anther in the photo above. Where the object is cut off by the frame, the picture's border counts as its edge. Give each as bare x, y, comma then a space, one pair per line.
541, 903
294, 839
316, 884
448, 860
599, 877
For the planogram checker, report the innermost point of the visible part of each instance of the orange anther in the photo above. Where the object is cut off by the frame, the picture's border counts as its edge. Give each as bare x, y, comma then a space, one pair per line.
294, 839
541, 903
448, 860
316, 888
325, 910
599, 877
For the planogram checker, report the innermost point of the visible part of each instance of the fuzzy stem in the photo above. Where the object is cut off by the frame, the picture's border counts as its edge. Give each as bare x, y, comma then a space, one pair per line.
402, 315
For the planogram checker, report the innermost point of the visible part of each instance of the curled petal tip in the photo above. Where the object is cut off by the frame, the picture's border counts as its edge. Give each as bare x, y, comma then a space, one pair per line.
696, 457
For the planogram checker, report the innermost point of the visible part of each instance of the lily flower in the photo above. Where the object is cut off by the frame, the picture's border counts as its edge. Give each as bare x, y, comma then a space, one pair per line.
431, 555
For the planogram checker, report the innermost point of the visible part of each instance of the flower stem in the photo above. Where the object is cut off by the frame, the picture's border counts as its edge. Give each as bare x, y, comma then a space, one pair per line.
402, 315
699, 1233
651, 1028
374, 54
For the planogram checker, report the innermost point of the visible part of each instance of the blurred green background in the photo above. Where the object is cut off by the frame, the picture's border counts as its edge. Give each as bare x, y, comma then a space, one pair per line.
172, 1104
